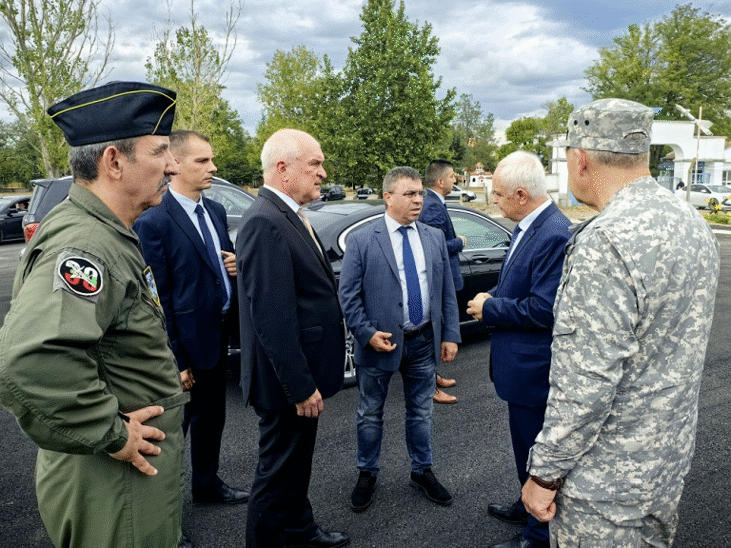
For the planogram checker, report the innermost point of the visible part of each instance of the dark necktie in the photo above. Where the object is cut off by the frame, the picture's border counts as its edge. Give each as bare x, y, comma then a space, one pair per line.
512, 243
210, 247
413, 290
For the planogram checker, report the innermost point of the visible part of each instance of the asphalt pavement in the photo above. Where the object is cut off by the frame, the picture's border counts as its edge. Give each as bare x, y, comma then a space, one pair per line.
472, 451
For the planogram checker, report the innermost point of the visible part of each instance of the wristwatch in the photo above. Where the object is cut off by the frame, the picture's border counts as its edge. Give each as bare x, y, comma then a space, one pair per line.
554, 485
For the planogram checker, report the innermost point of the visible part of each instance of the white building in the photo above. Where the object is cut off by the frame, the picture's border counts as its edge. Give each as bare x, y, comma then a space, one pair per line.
714, 158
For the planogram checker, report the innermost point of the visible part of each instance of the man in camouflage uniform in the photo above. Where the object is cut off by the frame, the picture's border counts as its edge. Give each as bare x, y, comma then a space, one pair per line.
632, 319
85, 362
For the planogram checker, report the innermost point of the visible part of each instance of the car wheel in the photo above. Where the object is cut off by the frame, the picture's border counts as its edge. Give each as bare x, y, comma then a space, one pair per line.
712, 203
349, 366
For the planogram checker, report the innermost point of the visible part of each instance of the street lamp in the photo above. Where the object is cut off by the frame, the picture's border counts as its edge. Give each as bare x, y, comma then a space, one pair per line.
705, 127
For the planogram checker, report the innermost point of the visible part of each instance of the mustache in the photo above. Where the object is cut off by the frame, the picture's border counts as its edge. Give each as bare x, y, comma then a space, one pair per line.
164, 182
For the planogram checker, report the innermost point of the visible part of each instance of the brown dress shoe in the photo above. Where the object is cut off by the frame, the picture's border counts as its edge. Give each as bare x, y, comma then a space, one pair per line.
442, 397
445, 383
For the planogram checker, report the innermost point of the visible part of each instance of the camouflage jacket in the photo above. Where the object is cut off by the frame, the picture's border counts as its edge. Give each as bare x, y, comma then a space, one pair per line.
633, 316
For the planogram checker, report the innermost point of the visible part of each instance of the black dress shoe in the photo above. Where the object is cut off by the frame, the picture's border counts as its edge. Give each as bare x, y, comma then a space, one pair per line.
184, 541
224, 494
323, 539
520, 542
511, 514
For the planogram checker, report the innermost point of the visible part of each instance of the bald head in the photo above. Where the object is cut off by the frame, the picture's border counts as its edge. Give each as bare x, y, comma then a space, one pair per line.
292, 163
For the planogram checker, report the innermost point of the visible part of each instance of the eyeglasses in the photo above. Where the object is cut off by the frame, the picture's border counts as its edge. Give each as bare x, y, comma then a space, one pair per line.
411, 193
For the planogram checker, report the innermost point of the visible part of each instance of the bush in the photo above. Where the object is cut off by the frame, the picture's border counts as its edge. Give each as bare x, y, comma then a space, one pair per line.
718, 218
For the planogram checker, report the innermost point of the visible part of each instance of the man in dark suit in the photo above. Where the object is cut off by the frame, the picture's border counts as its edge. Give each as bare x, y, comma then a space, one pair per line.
185, 241
439, 178
398, 298
292, 340
519, 310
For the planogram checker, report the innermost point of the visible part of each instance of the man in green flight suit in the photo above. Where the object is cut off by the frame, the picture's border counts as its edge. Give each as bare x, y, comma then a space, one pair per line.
85, 362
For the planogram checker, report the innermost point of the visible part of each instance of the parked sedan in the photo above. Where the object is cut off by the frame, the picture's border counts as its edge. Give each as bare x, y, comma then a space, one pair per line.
332, 193
704, 196
481, 260
461, 194
12, 211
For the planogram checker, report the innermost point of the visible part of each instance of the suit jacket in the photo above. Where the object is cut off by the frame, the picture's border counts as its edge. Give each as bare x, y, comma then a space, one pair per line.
190, 290
521, 311
292, 331
434, 213
371, 297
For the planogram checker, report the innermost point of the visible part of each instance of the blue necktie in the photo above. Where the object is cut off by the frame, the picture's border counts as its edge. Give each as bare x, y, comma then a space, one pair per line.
413, 290
512, 243
210, 246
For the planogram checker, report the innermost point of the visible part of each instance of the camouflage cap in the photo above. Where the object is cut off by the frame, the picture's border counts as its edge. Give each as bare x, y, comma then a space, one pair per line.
614, 125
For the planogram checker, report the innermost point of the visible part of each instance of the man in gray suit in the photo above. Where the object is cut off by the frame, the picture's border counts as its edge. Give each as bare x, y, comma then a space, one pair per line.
398, 299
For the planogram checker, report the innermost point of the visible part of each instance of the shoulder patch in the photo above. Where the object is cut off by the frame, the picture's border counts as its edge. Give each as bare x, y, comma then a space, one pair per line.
79, 275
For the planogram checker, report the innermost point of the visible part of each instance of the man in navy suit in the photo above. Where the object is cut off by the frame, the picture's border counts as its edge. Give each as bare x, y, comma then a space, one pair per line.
439, 178
398, 299
292, 340
185, 241
519, 310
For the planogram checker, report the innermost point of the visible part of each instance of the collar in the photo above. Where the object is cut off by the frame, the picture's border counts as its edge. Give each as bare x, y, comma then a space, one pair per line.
441, 198
528, 219
294, 206
393, 225
186, 203
87, 200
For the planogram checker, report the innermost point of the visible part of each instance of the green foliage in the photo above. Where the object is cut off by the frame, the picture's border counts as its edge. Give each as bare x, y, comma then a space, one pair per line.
50, 53
189, 62
717, 217
389, 114
19, 161
473, 135
532, 134
683, 59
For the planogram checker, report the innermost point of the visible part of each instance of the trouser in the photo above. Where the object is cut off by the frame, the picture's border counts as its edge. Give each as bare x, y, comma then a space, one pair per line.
205, 415
525, 424
279, 510
581, 524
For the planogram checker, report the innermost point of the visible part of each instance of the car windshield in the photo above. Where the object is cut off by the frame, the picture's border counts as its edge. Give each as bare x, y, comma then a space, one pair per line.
720, 189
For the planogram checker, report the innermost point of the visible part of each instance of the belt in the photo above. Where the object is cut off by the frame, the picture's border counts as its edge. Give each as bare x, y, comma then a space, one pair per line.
418, 331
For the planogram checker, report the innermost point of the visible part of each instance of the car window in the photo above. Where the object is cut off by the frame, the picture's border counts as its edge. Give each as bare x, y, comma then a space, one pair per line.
234, 201
479, 232
360, 224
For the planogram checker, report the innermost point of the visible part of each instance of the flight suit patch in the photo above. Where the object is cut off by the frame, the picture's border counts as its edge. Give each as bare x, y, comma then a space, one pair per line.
150, 278
79, 276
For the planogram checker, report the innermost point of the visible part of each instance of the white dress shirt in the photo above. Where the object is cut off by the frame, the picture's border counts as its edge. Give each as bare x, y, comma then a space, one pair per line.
397, 243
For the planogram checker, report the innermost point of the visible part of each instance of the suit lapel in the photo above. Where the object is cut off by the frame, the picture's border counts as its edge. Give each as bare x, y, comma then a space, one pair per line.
529, 234
384, 240
181, 218
299, 226
429, 253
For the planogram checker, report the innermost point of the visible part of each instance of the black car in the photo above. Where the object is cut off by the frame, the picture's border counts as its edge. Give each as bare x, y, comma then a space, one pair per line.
480, 260
332, 193
12, 211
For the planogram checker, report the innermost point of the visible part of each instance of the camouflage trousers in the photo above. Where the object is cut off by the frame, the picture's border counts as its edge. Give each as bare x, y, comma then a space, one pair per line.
589, 524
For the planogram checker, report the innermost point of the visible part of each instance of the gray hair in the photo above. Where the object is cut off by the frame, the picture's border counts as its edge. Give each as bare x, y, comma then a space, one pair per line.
523, 169
622, 160
282, 145
84, 160
401, 172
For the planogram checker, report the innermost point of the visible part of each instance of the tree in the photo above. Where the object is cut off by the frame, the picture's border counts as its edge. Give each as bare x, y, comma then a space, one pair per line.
389, 113
474, 134
683, 59
557, 118
54, 51
19, 161
192, 65
301, 91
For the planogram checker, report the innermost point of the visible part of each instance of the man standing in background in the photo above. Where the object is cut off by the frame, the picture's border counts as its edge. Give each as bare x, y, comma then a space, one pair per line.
185, 241
439, 178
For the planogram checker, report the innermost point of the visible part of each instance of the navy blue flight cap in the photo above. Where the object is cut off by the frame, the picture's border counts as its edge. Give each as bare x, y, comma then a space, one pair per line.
119, 110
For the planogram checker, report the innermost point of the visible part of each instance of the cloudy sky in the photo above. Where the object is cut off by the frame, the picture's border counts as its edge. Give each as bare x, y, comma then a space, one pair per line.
513, 57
